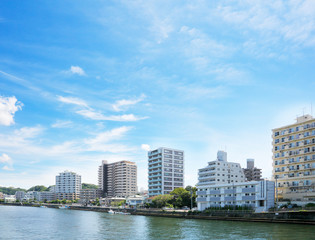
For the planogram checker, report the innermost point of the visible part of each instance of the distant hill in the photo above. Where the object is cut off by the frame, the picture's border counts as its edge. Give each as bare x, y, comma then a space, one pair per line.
10, 190
38, 188
89, 186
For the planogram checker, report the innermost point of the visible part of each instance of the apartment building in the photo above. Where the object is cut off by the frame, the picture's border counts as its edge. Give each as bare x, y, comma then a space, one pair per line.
166, 170
90, 194
118, 179
294, 160
19, 195
251, 172
220, 171
46, 196
260, 195
68, 186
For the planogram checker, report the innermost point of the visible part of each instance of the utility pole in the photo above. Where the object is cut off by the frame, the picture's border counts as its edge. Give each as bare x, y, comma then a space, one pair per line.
191, 195
276, 192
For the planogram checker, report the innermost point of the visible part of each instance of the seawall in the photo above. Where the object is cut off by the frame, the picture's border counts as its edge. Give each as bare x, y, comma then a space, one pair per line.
293, 217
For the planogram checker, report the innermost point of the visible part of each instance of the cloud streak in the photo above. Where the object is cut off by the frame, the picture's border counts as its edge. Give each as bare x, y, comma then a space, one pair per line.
90, 113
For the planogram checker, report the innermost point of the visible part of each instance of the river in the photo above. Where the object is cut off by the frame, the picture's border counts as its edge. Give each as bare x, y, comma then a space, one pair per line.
47, 223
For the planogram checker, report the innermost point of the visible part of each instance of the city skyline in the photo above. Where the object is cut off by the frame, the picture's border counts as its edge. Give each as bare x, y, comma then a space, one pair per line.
109, 81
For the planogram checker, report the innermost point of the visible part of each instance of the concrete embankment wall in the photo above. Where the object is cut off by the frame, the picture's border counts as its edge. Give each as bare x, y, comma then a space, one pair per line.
281, 217
297, 217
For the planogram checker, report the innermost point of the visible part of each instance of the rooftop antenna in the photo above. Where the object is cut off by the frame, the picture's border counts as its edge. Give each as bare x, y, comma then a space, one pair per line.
311, 109
303, 111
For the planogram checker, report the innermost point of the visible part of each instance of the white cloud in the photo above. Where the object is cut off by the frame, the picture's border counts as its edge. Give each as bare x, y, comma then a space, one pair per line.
77, 70
91, 114
62, 124
72, 100
121, 105
145, 147
8, 107
5, 159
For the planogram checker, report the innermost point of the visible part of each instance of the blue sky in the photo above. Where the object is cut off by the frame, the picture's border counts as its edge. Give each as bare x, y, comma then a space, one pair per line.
83, 81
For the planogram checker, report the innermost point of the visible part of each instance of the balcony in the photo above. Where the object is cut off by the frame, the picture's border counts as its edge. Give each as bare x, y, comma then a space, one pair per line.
215, 199
214, 191
249, 190
248, 198
201, 192
201, 199
229, 199
229, 191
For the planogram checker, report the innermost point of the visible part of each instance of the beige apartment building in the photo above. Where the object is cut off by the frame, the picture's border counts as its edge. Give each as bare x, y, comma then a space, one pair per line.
118, 179
294, 160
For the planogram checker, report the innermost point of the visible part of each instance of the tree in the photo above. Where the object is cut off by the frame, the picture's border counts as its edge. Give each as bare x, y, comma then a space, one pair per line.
89, 186
38, 188
10, 190
162, 200
194, 195
181, 197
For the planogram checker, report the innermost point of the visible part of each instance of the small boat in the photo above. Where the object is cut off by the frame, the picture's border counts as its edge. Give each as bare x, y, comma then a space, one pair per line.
43, 206
64, 207
111, 212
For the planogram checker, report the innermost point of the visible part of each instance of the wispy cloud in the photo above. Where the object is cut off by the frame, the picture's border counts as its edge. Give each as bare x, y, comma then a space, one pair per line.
91, 113
8, 107
72, 100
77, 70
122, 105
62, 124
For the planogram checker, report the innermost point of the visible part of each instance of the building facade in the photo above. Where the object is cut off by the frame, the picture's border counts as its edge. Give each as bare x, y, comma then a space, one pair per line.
294, 160
260, 195
19, 195
118, 179
251, 172
220, 171
46, 196
87, 195
166, 170
68, 186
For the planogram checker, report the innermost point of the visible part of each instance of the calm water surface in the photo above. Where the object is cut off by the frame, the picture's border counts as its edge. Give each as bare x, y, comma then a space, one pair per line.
46, 223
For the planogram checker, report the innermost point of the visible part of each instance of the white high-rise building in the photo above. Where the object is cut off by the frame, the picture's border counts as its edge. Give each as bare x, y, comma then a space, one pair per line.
221, 171
166, 170
68, 185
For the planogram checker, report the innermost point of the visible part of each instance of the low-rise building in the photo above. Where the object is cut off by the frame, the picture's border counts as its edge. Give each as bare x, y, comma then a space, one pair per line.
46, 196
19, 195
136, 200
31, 195
9, 198
260, 195
1, 196
87, 195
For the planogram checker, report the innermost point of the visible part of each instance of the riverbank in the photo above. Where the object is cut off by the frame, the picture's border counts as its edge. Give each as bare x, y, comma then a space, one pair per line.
293, 217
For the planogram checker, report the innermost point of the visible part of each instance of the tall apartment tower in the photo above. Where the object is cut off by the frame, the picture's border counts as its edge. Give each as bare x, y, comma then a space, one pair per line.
68, 185
166, 170
251, 172
118, 179
220, 171
294, 160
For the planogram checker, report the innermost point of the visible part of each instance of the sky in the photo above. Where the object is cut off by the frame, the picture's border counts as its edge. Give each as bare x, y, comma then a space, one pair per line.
86, 81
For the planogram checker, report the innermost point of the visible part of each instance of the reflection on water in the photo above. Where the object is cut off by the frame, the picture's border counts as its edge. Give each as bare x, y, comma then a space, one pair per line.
46, 223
